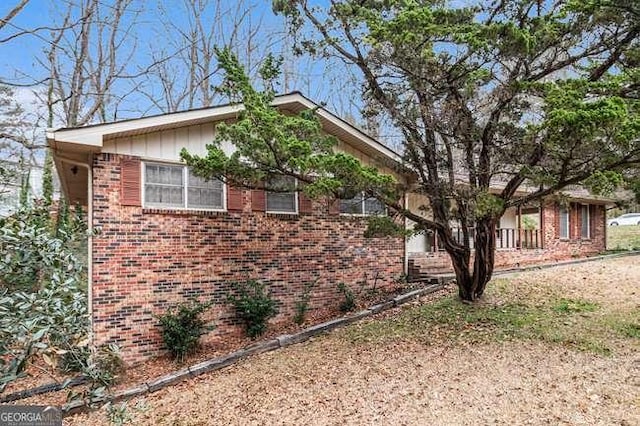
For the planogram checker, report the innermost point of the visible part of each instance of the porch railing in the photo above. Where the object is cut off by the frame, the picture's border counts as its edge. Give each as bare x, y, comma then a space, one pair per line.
506, 238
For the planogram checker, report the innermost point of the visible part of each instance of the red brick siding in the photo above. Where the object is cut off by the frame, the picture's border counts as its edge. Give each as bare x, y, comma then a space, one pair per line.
576, 246
145, 260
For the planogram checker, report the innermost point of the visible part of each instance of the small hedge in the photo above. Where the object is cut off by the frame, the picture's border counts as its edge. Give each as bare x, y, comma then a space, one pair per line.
254, 305
182, 328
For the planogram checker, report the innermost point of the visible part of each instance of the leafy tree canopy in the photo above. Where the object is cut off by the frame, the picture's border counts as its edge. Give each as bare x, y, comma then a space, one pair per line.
491, 98
270, 145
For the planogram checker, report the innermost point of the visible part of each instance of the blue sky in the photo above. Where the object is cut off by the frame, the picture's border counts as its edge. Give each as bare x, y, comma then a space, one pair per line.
19, 57
331, 83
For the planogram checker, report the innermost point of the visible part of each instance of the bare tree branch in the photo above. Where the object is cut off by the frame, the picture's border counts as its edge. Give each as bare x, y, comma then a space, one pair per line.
12, 13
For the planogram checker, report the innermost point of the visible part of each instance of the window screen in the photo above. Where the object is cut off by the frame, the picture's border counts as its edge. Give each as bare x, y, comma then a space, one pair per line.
564, 222
374, 207
352, 205
204, 194
164, 185
282, 202
360, 205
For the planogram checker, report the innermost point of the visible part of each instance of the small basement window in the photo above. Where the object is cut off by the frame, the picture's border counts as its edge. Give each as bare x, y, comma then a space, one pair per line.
175, 186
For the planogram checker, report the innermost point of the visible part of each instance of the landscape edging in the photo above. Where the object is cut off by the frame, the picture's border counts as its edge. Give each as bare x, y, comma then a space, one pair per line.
46, 388
280, 341
261, 347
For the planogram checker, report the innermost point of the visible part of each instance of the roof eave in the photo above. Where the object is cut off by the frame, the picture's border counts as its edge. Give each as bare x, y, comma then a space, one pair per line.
92, 137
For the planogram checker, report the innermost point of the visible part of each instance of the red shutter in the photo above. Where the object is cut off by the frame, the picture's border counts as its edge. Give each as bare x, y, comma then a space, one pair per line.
593, 211
557, 221
234, 198
334, 206
306, 205
258, 200
130, 181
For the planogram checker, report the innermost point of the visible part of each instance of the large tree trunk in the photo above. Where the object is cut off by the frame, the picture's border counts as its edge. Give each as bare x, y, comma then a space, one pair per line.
472, 279
484, 255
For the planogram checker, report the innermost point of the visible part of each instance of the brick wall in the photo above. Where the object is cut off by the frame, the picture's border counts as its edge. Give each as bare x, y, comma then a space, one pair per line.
554, 248
575, 245
146, 260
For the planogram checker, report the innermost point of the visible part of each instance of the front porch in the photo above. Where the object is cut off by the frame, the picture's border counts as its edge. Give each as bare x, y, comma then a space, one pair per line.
519, 242
423, 266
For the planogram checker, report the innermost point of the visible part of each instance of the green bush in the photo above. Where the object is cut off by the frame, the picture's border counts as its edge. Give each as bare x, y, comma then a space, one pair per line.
43, 292
182, 328
302, 305
349, 302
75, 360
106, 358
254, 306
123, 413
46, 323
383, 226
101, 367
32, 252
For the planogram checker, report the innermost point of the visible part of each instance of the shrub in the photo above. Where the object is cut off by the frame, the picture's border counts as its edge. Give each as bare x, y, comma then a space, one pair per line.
349, 302
122, 414
51, 321
302, 305
43, 293
106, 360
32, 254
74, 360
109, 359
383, 226
254, 306
102, 371
182, 328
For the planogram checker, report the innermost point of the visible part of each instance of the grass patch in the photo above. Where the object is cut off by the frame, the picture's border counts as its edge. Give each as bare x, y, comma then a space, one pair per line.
630, 330
571, 306
620, 238
574, 323
625, 325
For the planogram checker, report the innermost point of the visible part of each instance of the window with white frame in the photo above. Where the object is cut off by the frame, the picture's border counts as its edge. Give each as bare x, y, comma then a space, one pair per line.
282, 199
564, 223
362, 205
586, 222
175, 186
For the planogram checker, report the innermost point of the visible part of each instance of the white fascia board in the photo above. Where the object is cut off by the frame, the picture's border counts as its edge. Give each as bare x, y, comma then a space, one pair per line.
337, 121
76, 136
94, 135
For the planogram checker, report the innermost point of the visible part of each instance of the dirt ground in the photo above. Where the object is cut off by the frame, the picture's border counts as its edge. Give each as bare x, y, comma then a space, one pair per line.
335, 380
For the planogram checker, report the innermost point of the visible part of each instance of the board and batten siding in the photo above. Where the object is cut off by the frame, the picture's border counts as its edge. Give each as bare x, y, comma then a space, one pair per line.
166, 145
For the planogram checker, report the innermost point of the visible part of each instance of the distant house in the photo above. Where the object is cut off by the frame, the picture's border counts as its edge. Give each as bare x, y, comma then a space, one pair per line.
164, 235
10, 189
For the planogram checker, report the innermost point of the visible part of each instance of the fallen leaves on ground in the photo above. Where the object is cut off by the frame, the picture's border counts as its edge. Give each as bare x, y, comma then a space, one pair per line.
332, 380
